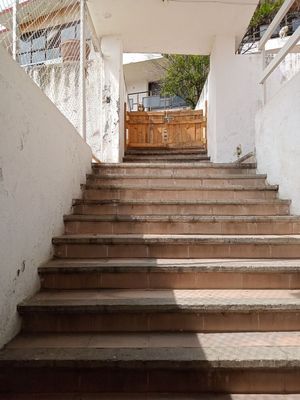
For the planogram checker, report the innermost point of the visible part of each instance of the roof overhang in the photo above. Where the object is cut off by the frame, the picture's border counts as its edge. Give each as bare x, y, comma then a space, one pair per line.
171, 26
149, 70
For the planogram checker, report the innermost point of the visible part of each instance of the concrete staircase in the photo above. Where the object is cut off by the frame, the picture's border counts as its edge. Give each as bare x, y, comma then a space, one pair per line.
165, 155
173, 280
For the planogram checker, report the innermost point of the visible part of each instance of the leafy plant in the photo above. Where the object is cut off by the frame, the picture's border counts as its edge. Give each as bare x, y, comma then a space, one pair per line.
265, 12
185, 77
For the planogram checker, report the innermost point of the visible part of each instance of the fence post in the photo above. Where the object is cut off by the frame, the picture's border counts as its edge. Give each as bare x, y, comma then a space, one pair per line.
83, 68
15, 29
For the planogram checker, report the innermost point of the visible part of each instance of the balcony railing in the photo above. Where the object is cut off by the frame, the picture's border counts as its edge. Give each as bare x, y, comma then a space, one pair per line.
147, 101
289, 45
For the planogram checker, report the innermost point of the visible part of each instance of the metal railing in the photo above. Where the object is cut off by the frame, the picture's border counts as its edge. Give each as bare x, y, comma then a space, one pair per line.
290, 43
149, 102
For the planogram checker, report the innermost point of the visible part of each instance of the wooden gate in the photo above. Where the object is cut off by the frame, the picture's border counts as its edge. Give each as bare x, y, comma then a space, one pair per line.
173, 129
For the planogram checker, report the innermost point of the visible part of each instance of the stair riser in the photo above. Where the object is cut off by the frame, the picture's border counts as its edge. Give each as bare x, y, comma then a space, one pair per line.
170, 182
169, 151
177, 228
166, 158
187, 195
169, 280
170, 209
140, 321
172, 171
141, 380
176, 250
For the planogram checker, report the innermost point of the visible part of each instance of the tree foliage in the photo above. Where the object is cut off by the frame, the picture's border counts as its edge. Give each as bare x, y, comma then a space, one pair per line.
185, 77
265, 12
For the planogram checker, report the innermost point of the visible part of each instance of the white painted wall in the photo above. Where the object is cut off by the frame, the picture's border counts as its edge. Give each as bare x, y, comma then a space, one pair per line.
137, 86
43, 160
277, 141
60, 82
172, 27
112, 100
234, 97
286, 70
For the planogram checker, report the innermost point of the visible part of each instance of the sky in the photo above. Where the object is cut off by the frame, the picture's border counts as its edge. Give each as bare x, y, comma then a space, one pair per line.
129, 58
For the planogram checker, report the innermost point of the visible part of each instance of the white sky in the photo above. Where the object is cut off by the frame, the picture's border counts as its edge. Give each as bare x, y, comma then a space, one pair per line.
130, 58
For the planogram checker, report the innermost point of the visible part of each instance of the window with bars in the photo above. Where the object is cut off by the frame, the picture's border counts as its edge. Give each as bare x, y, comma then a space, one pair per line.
44, 44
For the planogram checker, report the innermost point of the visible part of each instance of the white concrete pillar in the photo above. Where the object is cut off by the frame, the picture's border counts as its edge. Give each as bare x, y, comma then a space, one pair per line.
234, 99
112, 100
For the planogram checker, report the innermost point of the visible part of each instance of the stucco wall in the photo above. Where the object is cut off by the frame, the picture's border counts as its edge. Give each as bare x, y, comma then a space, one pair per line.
277, 141
60, 82
113, 100
43, 160
138, 86
234, 97
286, 70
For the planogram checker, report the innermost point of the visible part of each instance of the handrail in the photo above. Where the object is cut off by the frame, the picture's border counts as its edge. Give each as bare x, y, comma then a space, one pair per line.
276, 21
293, 40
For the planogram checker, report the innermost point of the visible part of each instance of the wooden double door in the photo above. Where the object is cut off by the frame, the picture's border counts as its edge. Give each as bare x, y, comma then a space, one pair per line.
173, 129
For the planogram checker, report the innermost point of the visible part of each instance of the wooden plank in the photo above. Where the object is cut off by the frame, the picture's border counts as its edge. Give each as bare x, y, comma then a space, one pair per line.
177, 129
196, 121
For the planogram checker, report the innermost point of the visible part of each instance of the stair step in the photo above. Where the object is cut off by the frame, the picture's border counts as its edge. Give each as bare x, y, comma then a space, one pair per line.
170, 274
147, 396
216, 350
152, 207
148, 363
139, 192
195, 157
168, 151
179, 246
161, 311
175, 169
192, 182
181, 224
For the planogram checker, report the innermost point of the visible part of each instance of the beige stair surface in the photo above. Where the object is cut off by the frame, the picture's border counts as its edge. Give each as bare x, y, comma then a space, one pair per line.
176, 278
186, 208
167, 157
173, 169
144, 396
182, 224
135, 192
201, 362
153, 180
179, 246
170, 274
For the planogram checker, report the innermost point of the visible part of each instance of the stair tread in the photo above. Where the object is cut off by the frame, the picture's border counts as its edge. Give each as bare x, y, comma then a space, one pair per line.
158, 150
182, 218
174, 165
147, 396
179, 187
210, 350
152, 157
175, 177
183, 239
184, 202
172, 265
204, 300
